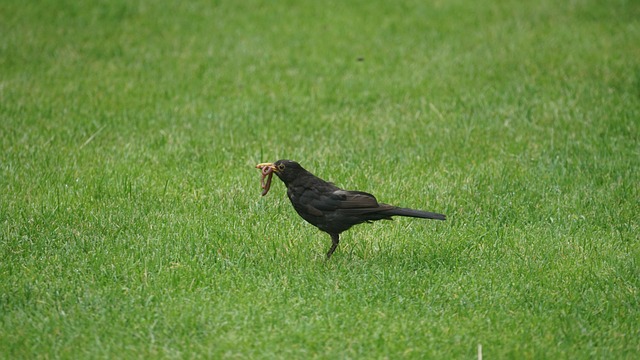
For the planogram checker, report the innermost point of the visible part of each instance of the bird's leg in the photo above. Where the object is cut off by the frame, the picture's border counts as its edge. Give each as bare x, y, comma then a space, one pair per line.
335, 239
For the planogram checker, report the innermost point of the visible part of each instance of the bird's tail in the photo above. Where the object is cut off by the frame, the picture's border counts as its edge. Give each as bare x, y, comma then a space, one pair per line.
417, 214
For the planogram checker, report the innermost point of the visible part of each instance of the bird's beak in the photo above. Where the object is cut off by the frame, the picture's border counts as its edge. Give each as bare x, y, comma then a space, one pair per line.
267, 165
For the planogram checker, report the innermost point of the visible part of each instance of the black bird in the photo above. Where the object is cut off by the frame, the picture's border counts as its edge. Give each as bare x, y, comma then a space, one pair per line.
326, 206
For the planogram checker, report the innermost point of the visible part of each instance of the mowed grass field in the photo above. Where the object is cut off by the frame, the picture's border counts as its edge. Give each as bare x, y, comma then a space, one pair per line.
131, 222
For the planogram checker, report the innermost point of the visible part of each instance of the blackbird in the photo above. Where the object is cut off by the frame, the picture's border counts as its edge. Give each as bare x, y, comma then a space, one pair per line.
326, 206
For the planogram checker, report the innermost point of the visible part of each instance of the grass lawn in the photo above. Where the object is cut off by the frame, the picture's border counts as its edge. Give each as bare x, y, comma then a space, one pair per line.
131, 222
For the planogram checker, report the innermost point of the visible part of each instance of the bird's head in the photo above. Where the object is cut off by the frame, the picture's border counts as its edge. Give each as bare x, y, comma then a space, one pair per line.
286, 170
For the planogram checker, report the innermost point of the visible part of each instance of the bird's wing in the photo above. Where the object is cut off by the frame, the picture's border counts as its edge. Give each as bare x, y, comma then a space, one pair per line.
327, 201
354, 199
359, 203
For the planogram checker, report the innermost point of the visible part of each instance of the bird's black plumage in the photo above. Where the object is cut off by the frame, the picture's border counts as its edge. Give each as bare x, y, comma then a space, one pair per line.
331, 209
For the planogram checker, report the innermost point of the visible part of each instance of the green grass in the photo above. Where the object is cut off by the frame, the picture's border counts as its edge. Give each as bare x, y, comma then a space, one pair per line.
131, 222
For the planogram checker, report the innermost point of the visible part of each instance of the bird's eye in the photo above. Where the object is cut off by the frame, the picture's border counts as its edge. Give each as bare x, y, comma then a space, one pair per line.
280, 167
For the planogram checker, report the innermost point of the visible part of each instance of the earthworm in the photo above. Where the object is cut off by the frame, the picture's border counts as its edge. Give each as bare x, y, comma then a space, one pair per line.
267, 172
